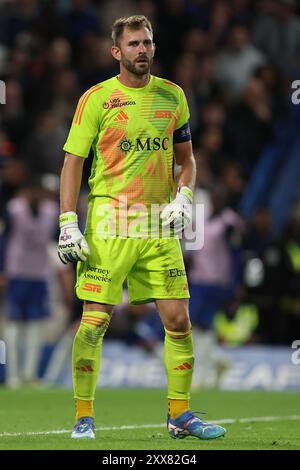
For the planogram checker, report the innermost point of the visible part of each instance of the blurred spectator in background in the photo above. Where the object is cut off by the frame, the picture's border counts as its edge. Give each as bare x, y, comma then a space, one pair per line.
237, 62
273, 82
212, 280
185, 75
14, 174
220, 17
264, 275
276, 32
63, 322
19, 17
80, 20
96, 61
212, 145
14, 119
174, 21
250, 125
230, 177
31, 222
65, 307
43, 149
206, 85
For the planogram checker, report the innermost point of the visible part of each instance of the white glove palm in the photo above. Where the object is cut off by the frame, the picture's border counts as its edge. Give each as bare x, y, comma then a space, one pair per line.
72, 246
178, 214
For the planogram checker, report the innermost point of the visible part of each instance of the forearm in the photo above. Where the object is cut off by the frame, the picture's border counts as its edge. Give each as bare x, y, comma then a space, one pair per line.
187, 174
70, 182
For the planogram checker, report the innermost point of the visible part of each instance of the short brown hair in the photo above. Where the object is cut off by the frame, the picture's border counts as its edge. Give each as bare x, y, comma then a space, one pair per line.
132, 22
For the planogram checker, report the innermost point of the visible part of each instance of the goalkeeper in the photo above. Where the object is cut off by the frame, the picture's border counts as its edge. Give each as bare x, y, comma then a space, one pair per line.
134, 123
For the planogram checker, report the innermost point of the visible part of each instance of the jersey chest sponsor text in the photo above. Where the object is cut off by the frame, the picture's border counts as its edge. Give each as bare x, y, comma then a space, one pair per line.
144, 144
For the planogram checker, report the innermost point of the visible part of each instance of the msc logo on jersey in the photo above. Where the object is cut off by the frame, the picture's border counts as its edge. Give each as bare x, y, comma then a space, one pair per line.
148, 144
91, 287
125, 145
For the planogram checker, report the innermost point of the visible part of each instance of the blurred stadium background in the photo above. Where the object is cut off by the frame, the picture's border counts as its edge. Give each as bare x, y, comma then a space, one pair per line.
236, 61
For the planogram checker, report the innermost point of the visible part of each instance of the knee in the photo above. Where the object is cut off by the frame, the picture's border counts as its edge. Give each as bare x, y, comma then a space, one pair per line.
179, 323
93, 328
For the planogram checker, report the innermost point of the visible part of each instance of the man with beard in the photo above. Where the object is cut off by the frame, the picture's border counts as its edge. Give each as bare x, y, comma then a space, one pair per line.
134, 122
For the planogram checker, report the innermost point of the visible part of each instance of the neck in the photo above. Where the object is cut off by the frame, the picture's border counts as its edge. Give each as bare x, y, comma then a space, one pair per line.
131, 80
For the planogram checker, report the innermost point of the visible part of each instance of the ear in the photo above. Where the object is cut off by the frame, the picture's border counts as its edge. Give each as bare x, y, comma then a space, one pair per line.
154, 48
116, 53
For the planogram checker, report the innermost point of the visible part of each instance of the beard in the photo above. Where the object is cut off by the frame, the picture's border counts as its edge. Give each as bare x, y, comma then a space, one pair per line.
137, 68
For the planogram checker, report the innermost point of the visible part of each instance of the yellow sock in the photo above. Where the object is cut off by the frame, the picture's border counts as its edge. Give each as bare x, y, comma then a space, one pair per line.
177, 407
84, 408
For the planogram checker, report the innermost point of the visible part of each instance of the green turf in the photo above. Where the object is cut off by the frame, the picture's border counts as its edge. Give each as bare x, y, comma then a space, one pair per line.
30, 410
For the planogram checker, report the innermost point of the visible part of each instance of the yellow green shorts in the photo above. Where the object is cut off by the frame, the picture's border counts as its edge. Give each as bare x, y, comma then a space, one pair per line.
154, 269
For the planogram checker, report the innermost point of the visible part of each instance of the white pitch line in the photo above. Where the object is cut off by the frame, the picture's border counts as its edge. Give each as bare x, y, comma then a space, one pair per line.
151, 426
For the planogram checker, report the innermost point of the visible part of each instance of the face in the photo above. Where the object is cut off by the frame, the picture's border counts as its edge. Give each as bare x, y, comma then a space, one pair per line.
135, 51
239, 37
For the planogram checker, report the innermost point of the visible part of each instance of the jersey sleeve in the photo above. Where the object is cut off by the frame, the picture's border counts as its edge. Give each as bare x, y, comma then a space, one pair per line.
85, 125
183, 108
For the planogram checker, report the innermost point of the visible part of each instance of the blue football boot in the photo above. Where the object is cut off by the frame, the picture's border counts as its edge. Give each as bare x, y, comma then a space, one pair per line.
84, 429
187, 424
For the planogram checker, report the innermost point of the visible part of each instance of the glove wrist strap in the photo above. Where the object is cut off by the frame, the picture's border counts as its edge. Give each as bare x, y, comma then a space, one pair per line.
67, 218
186, 191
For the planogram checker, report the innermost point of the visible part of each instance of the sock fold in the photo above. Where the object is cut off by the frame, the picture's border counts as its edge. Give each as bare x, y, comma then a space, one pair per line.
86, 358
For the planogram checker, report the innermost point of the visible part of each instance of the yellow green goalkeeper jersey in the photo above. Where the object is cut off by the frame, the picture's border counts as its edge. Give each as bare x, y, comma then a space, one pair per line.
131, 133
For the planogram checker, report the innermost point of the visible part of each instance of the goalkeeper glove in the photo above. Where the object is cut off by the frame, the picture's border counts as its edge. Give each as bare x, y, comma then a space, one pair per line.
72, 246
178, 214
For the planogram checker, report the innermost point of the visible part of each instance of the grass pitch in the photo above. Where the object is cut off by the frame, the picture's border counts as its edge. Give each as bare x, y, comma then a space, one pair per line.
131, 419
